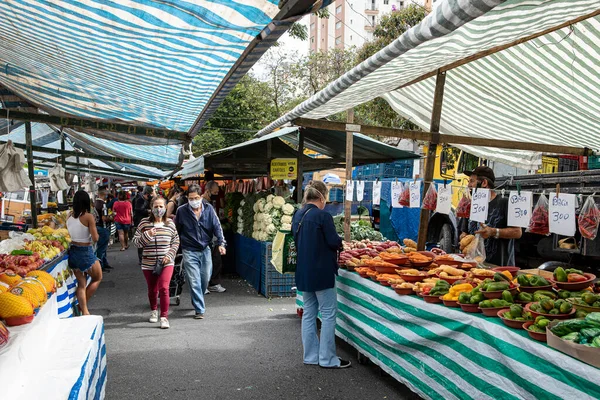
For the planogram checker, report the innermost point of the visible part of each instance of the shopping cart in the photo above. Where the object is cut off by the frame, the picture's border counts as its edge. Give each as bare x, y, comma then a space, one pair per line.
177, 280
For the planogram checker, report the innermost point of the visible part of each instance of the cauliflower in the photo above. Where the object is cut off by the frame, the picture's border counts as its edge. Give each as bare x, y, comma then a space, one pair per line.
278, 201
286, 227
255, 207
288, 209
268, 219
271, 229
255, 226
286, 219
270, 198
268, 207
240, 212
242, 203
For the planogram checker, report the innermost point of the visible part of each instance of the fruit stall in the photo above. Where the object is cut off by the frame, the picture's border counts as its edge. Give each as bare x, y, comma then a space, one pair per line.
448, 327
37, 338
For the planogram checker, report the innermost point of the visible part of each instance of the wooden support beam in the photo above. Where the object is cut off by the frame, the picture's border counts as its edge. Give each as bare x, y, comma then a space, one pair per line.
136, 161
98, 124
300, 176
100, 169
269, 147
436, 116
78, 172
349, 154
32, 193
447, 139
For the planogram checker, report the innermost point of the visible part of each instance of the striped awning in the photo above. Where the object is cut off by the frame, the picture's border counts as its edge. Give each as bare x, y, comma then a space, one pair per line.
147, 62
545, 89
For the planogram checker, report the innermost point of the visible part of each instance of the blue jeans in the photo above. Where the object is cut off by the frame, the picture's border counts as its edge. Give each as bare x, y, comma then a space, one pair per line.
102, 245
198, 268
320, 352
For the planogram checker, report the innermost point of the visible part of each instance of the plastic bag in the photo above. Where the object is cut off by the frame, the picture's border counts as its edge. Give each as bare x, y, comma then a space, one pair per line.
463, 210
476, 250
589, 219
430, 200
539, 222
405, 196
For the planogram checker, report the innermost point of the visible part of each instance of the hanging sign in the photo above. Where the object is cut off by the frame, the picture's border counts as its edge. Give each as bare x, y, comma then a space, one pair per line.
376, 193
480, 204
349, 190
562, 213
284, 168
415, 194
360, 190
519, 209
444, 199
396, 192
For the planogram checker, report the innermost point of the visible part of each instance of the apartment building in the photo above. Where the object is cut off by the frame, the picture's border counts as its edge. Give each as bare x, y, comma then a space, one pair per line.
352, 22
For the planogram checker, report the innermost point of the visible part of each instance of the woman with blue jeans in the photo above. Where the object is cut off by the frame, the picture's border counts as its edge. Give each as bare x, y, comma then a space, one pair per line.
317, 244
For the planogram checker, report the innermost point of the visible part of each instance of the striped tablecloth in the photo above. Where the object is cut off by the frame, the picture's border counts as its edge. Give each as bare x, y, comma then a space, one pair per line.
445, 353
65, 285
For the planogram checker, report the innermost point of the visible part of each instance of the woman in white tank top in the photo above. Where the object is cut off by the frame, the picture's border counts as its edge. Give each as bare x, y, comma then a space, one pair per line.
82, 260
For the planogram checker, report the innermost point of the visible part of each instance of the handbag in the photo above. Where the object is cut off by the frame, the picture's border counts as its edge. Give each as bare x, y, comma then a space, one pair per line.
158, 264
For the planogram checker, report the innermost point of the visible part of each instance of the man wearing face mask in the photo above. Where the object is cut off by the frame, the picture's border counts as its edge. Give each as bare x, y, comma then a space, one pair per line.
499, 237
197, 224
211, 196
317, 246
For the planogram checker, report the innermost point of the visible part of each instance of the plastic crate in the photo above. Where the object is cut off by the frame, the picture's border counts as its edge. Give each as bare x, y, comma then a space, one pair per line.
594, 162
566, 164
274, 284
248, 260
336, 194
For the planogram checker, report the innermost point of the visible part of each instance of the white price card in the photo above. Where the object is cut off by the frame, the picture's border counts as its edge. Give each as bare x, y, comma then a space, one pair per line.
519, 209
376, 193
444, 199
480, 204
360, 190
349, 190
415, 194
562, 213
396, 192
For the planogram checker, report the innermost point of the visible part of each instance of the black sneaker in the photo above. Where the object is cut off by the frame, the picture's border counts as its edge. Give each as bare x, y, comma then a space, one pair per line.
343, 364
199, 316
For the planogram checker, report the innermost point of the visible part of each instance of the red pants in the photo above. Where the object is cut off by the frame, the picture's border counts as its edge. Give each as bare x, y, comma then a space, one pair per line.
159, 285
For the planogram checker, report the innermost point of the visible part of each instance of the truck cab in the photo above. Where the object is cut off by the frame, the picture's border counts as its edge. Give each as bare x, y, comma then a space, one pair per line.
16, 206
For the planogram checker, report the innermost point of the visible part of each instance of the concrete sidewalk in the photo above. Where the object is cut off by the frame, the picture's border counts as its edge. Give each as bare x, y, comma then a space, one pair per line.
247, 347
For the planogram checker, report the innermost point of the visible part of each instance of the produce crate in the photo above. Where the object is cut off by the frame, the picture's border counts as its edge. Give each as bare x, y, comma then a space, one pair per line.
274, 284
594, 162
549, 165
396, 169
568, 164
336, 194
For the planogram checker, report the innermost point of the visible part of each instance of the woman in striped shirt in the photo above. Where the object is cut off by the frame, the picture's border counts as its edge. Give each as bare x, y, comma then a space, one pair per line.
158, 238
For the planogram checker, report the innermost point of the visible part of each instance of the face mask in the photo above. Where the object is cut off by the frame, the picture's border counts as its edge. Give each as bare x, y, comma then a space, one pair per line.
195, 204
158, 212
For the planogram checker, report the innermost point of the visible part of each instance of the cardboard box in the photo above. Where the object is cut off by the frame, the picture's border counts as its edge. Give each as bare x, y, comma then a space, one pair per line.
589, 355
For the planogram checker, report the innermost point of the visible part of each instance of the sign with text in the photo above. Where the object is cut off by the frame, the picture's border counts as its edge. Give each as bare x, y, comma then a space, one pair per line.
444, 199
376, 193
360, 190
284, 168
396, 192
415, 194
519, 209
349, 190
562, 213
480, 204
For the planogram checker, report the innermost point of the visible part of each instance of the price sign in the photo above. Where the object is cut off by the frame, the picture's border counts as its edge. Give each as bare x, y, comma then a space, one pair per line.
519, 209
349, 190
284, 168
562, 213
444, 199
376, 193
360, 190
480, 205
415, 194
396, 192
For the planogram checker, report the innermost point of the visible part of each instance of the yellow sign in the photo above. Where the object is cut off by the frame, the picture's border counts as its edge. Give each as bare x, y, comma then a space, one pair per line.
284, 168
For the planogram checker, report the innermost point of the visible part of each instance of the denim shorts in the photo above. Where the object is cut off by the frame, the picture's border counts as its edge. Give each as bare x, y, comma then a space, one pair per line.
81, 257
122, 227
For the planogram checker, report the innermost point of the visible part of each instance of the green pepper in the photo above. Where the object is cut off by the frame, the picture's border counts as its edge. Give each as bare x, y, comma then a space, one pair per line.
546, 293
536, 307
573, 271
581, 314
560, 274
477, 298
464, 298
523, 280
564, 294
554, 311
516, 310
547, 304
501, 278
543, 323
596, 342
537, 280
524, 296
21, 253
535, 328
498, 303
506, 296
485, 304
497, 286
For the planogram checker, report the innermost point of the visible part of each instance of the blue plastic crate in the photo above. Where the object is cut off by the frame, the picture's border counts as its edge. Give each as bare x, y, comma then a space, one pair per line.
336, 194
249, 260
274, 284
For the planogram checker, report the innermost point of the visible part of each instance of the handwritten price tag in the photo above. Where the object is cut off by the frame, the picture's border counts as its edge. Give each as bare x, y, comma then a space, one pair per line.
480, 205
349, 190
562, 213
444, 199
360, 190
396, 192
376, 193
519, 209
415, 194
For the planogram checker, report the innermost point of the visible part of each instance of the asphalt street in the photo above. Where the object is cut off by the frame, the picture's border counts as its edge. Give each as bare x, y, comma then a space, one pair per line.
247, 347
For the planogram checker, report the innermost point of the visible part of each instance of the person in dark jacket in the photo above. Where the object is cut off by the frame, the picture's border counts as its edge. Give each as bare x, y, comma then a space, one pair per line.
317, 244
197, 223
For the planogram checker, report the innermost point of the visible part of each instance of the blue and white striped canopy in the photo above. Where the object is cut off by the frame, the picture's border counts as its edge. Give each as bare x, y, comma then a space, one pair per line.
147, 62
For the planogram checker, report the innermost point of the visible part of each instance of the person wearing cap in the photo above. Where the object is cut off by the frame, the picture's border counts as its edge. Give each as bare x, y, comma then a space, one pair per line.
499, 237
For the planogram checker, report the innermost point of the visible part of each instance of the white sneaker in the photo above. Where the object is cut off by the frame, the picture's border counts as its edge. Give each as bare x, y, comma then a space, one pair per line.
164, 323
207, 291
153, 316
217, 288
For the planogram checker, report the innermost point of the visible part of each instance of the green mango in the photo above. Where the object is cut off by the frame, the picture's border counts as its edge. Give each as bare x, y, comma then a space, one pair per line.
589, 298
560, 275
543, 323
547, 304
565, 308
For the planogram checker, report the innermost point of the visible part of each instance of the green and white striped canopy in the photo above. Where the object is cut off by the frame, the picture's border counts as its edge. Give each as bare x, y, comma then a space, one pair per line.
545, 89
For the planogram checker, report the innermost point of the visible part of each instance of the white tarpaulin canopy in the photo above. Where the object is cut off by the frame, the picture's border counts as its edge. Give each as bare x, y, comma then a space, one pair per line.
544, 90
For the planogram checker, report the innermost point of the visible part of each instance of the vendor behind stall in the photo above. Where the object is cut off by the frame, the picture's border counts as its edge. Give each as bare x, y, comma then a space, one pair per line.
499, 237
